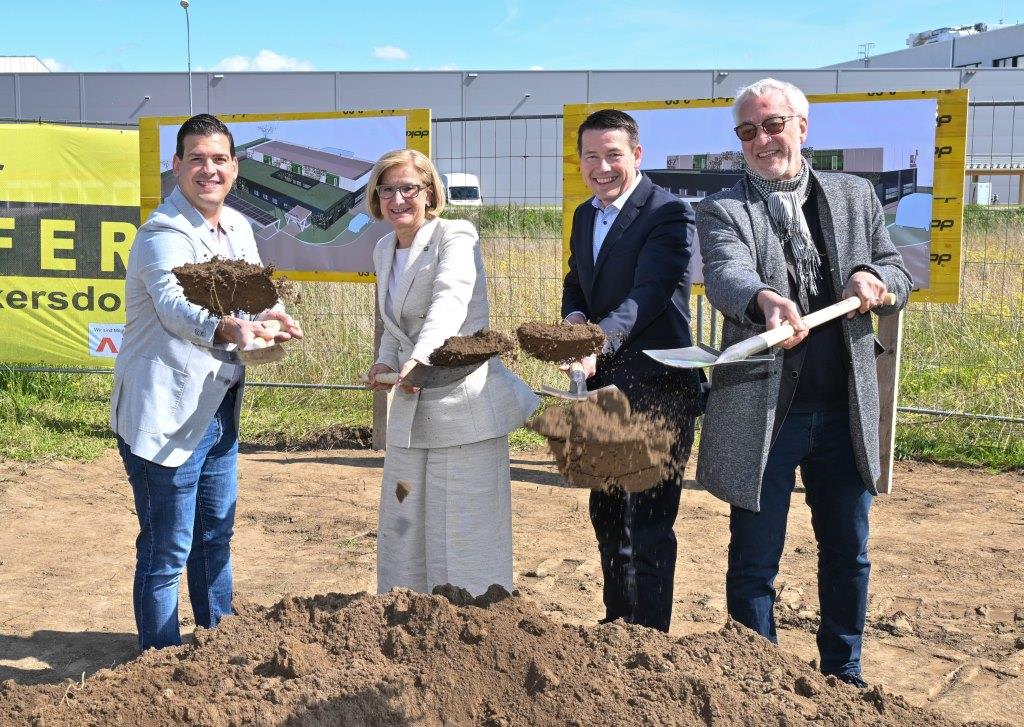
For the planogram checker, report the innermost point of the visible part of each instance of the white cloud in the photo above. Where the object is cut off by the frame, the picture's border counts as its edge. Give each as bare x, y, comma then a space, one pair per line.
265, 60
54, 65
389, 53
536, 68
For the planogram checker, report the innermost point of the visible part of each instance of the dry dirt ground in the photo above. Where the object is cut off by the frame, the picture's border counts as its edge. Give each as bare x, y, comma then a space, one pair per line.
946, 616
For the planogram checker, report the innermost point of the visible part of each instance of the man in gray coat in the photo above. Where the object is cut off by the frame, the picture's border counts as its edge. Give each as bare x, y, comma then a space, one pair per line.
783, 242
177, 390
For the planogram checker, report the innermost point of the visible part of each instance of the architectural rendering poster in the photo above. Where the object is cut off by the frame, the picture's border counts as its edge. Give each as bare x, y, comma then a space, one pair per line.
909, 145
302, 182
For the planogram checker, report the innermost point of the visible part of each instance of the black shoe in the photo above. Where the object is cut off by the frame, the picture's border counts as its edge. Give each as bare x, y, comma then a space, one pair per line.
854, 680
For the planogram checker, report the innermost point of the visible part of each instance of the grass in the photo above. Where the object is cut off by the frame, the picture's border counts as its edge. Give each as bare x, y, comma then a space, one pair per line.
969, 357
965, 357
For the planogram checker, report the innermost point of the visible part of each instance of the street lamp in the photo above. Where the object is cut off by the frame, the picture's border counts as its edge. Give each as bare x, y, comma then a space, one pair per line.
188, 47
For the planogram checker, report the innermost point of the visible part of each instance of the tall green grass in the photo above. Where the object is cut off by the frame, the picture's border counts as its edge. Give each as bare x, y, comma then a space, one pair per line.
966, 357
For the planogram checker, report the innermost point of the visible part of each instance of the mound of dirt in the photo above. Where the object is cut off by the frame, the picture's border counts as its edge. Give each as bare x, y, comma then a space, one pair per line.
408, 658
560, 342
334, 436
224, 286
465, 350
599, 443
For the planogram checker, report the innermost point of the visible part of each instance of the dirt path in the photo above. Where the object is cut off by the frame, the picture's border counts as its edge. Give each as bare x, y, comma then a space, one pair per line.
946, 616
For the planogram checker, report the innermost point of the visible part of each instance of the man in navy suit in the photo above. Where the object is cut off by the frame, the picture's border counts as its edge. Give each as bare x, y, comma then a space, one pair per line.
629, 252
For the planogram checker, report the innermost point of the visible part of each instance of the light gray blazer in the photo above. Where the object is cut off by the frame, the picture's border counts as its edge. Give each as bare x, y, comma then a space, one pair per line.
169, 376
742, 256
441, 293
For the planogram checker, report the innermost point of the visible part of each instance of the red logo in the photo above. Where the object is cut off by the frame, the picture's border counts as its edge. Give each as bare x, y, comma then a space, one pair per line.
105, 343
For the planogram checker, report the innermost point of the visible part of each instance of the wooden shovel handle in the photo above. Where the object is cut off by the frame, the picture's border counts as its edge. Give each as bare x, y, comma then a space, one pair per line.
780, 334
385, 378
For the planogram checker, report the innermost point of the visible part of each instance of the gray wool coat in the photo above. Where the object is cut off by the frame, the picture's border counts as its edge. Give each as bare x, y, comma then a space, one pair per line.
742, 256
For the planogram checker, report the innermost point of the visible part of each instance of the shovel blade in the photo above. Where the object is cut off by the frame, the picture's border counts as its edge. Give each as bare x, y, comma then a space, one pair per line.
691, 357
434, 377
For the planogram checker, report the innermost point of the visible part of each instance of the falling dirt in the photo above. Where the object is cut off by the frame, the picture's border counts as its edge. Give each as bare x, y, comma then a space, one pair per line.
599, 443
402, 490
465, 350
224, 286
417, 659
560, 342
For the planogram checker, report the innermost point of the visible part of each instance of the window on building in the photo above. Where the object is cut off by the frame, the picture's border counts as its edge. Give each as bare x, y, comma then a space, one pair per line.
1009, 62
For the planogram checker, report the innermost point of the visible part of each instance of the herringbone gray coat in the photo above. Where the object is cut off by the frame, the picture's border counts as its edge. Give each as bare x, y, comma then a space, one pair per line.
742, 255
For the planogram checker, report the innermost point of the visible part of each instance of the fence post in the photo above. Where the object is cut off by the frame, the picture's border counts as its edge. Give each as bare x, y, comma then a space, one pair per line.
890, 334
380, 398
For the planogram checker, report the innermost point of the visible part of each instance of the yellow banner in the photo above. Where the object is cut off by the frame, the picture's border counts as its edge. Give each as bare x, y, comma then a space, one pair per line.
68, 215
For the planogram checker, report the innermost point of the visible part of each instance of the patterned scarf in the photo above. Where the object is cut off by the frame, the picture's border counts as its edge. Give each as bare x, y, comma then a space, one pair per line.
785, 199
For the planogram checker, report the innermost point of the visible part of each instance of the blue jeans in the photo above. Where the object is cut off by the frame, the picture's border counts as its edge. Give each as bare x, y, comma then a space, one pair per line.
819, 443
186, 519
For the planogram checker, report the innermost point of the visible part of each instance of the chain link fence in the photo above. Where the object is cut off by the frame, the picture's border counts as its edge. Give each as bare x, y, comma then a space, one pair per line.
964, 361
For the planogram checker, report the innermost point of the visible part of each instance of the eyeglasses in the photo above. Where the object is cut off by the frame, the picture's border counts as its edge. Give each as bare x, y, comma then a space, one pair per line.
408, 191
772, 125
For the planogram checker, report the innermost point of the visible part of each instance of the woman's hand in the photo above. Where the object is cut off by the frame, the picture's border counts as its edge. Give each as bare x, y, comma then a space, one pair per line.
406, 368
371, 377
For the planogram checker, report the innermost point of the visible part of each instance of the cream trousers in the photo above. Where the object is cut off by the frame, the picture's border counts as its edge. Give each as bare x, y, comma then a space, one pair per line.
455, 524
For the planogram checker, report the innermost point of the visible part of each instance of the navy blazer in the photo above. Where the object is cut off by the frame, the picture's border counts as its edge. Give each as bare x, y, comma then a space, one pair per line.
638, 291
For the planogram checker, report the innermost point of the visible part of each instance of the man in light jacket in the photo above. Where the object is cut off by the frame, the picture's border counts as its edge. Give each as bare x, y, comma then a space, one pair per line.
783, 242
178, 390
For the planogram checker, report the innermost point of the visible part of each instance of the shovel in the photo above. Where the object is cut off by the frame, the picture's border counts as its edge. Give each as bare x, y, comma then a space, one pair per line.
424, 376
696, 357
577, 386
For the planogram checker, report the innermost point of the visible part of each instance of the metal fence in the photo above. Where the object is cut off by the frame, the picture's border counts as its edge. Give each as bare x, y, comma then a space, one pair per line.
962, 360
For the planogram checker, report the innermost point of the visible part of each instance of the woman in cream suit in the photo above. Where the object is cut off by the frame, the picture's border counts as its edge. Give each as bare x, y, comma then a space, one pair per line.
448, 445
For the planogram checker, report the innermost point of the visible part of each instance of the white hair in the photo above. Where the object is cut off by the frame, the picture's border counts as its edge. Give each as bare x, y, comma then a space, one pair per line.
793, 96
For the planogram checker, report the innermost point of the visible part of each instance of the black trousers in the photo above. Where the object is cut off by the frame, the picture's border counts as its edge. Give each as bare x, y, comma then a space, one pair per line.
638, 552
634, 530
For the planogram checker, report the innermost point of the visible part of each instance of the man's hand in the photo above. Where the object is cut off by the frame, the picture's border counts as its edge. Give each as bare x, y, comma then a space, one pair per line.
576, 318
779, 311
371, 377
406, 368
242, 332
587, 363
289, 328
866, 286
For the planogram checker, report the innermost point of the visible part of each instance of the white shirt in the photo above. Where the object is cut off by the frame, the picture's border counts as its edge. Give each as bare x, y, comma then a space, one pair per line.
397, 268
401, 261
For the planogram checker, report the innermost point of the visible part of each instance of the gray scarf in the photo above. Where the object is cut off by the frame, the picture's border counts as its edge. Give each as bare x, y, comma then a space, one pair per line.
785, 199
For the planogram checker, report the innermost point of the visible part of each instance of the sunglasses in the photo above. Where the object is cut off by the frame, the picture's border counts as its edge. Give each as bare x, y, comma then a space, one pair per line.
408, 191
772, 125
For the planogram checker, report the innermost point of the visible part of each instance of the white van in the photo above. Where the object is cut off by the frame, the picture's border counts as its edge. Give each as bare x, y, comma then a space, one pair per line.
462, 190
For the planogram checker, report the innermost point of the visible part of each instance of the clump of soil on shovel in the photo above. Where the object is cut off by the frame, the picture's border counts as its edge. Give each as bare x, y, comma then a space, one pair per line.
560, 342
465, 350
415, 659
599, 443
224, 286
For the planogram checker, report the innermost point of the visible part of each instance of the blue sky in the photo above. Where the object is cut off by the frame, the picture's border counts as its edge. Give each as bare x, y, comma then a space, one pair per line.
231, 35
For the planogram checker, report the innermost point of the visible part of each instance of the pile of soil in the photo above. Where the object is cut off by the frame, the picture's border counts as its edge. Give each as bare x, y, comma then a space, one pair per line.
408, 658
599, 443
465, 350
560, 342
224, 286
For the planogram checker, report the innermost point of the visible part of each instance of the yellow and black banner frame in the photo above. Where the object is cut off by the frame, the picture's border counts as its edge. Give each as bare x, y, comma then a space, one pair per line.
69, 199
290, 228
950, 144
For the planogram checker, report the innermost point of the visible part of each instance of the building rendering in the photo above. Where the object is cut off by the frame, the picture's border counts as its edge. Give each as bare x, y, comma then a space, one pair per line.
311, 186
693, 176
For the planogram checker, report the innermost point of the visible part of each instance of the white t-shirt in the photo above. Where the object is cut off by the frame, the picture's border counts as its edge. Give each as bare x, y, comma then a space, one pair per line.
398, 266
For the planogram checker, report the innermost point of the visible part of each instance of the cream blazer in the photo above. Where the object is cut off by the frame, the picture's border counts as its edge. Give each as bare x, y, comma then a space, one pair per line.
441, 293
